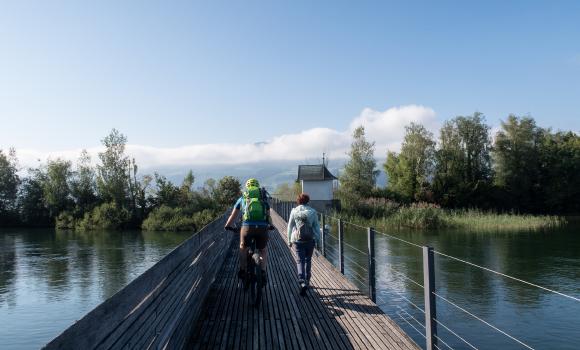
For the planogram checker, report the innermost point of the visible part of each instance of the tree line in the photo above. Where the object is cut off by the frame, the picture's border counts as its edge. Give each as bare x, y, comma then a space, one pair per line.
110, 195
521, 168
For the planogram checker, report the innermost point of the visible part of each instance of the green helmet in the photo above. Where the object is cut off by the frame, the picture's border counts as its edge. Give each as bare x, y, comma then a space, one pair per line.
252, 183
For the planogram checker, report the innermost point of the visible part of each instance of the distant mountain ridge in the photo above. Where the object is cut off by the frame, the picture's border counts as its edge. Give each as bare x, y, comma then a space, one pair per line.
270, 174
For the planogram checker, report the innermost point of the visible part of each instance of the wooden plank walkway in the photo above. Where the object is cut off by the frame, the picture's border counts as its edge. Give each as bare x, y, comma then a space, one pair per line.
334, 315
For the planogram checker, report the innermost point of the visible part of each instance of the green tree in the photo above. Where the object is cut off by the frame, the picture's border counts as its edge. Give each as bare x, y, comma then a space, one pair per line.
463, 162
143, 197
409, 171
517, 163
205, 197
55, 187
359, 176
31, 203
288, 192
9, 182
186, 192
83, 185
113, 173
228, 190
559, 169
166, 192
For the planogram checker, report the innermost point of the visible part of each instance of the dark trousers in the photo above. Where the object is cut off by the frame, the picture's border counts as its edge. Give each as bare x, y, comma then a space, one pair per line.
304, 252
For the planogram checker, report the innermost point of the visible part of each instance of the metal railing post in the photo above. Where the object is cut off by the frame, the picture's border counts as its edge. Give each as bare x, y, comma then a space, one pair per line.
323, 236
341, 246
430, 305
371, 264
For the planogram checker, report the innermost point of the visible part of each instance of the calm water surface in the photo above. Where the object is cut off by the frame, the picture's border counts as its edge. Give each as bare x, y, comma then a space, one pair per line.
538, 318
49, 279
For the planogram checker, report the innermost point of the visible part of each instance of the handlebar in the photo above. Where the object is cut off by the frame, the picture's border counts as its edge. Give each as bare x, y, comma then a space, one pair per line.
237, 229
233, 229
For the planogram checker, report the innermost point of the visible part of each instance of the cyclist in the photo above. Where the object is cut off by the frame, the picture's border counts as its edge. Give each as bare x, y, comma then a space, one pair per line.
256, 220
304, 234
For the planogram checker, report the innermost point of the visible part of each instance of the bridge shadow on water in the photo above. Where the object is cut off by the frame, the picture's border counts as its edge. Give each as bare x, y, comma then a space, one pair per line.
333, 315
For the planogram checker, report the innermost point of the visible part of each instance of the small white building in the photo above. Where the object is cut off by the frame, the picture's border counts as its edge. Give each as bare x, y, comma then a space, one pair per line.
318, 183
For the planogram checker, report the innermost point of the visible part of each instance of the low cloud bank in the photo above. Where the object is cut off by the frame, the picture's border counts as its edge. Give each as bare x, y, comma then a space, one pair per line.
386, 128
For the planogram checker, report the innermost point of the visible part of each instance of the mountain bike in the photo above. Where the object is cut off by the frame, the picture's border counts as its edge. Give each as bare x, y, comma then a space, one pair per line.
253, 279
254, 274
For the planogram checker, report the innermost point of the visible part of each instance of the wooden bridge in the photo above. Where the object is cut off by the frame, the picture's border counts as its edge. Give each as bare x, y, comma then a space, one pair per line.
192, 299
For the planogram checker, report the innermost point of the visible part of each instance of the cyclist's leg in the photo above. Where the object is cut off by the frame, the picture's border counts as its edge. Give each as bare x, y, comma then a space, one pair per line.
261, 235
244, 240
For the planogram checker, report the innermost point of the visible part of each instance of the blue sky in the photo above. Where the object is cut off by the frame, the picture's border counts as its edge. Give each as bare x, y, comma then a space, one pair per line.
179, 73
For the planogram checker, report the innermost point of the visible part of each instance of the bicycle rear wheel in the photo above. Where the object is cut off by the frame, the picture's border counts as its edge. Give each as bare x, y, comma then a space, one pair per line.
258, 284
251, 278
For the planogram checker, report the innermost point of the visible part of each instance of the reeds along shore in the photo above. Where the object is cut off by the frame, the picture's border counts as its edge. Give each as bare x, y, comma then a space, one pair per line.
426, 216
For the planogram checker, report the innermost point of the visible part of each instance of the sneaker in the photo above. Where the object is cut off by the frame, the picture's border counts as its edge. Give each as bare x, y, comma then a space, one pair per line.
303, 287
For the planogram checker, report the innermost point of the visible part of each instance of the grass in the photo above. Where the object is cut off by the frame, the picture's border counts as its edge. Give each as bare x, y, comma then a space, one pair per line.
423, 216
480, 220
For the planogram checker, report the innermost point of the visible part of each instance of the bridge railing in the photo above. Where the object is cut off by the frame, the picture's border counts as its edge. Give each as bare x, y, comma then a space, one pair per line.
158, 308
359, 264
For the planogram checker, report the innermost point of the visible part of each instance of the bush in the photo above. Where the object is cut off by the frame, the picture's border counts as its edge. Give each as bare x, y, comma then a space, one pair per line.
377, 207
420, 215
204, 217
106, 216
65, 221
166, 218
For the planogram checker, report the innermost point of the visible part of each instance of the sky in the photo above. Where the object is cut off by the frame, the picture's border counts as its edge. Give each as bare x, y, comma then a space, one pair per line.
217, 82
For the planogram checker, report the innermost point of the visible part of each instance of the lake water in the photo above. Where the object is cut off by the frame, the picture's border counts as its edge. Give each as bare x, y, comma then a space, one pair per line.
538, 318
50, 279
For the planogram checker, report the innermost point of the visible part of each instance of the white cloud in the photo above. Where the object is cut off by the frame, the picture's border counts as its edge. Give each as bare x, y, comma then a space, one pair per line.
385, 128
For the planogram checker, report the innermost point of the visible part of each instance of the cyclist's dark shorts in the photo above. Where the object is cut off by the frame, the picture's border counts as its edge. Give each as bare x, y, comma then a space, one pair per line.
260, 233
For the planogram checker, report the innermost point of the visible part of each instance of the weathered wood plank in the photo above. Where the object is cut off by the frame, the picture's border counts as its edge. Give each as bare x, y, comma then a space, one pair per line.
194, 294
146, 298
335, 314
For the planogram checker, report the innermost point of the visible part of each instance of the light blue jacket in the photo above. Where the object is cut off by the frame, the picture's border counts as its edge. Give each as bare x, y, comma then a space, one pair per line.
300, 214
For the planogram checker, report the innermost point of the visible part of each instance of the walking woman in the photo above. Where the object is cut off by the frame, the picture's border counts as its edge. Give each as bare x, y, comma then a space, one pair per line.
304, 234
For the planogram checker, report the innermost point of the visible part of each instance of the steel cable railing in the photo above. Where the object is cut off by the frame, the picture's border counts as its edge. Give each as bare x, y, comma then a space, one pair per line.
381, 233
337, 253
455, 334
483, 321
508, 276
404, 298
387, 265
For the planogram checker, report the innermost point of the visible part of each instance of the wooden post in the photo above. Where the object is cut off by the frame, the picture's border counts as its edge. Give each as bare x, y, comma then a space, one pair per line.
323, 236
430, 305
340, 246
371, 264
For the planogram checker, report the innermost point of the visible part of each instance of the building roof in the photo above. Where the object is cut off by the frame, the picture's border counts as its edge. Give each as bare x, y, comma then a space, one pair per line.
314, 173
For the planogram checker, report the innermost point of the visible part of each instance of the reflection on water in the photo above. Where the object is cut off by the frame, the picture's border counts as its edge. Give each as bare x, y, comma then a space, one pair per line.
49, 279
535, 316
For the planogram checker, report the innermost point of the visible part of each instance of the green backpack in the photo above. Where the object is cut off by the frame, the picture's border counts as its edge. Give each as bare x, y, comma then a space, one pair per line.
255, 209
